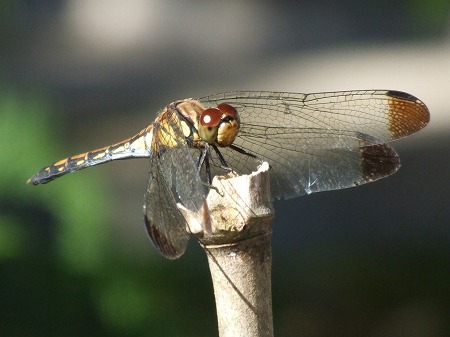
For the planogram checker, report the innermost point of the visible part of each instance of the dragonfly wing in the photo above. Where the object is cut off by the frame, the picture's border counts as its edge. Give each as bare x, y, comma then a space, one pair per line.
164, 223
324, 141
309, 161
383, 114
173, 179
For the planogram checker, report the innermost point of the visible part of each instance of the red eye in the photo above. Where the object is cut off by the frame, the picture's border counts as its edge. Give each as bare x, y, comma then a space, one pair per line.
210, 117
227, 110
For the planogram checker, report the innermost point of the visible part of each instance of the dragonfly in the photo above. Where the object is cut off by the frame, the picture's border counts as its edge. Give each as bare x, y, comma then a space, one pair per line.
313, 142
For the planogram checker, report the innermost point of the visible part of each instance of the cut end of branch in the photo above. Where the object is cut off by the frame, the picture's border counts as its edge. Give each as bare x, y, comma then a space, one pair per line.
237, 207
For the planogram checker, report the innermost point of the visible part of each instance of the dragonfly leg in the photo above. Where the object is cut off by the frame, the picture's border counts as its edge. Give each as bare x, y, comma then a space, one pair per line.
238, 149
223, 163
203, 159
242, 151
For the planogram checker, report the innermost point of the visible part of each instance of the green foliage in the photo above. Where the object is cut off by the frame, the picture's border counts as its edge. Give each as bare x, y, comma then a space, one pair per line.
60, 274
79, 206
431, 17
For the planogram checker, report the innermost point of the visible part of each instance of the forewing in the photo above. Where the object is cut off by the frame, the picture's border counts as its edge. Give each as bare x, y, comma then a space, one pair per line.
324, 141
173, 179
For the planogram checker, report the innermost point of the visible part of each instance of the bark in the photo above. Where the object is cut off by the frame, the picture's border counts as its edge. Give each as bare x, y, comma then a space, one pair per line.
238, 246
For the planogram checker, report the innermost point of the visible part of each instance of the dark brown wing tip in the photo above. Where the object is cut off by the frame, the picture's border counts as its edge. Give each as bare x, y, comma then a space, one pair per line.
162, 245
378, 161
407, 114
402, 95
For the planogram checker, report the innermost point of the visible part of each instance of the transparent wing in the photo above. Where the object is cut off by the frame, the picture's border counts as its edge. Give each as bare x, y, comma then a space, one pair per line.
323, 141
173, 179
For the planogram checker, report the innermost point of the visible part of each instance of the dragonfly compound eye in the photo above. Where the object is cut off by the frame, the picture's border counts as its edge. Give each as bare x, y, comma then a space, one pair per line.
229, 125
209, 124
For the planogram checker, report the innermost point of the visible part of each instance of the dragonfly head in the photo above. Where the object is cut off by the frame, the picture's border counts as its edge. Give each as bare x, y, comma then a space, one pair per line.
219, 125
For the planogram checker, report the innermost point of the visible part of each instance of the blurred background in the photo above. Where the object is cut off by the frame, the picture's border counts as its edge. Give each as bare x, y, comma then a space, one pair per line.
80, 74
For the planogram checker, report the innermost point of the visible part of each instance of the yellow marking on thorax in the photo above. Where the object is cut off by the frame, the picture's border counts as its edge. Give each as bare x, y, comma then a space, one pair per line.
170, 125
167, 135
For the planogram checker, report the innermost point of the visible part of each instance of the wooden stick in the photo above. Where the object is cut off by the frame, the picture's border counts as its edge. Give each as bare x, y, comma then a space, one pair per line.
238, 247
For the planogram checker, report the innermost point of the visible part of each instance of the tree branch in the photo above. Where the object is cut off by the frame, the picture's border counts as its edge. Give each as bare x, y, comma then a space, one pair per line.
238, 247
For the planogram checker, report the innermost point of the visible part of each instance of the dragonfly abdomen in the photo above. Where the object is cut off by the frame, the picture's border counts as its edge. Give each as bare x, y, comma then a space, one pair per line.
134, 147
